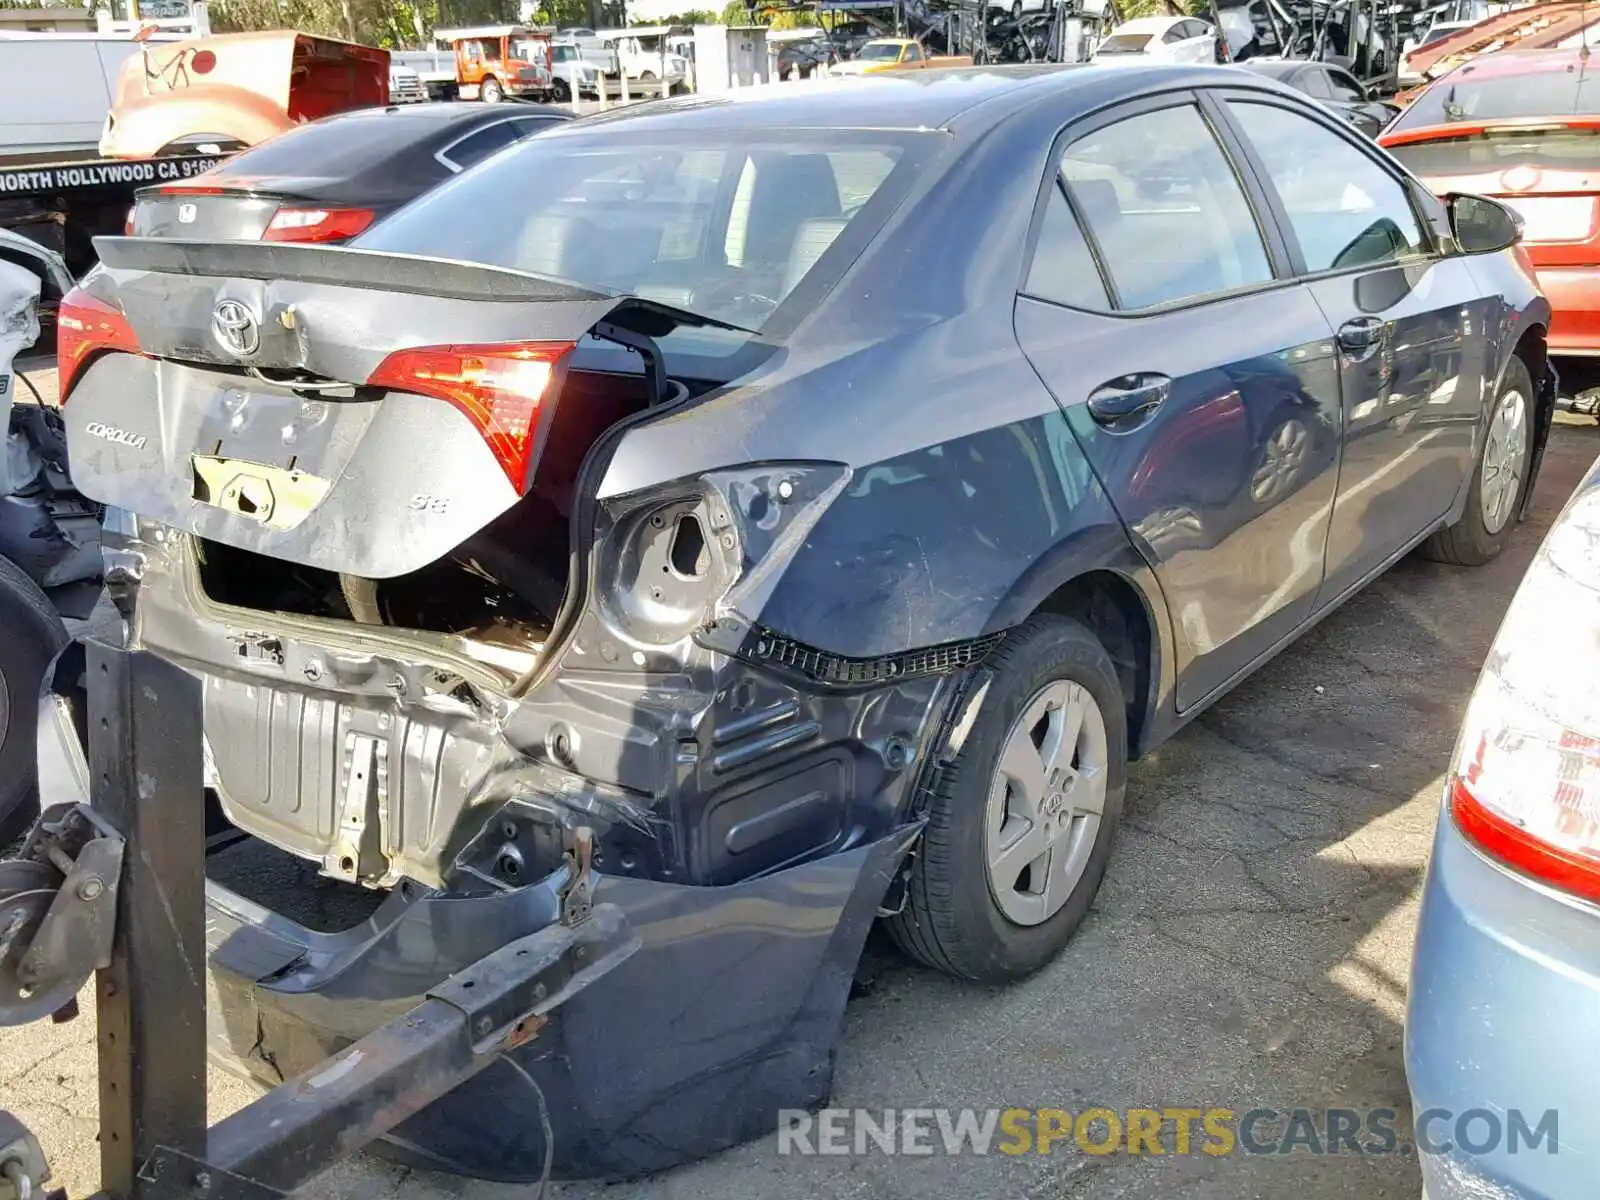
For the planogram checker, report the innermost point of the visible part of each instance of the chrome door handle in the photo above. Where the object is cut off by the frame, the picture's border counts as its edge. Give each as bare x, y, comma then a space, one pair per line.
1360, 337
1127, 397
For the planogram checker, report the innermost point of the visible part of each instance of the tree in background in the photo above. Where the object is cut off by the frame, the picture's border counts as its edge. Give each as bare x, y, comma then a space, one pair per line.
386, 23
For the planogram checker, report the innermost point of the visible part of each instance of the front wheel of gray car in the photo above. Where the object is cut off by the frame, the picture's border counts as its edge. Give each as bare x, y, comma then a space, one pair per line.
1499, 477
1020, 825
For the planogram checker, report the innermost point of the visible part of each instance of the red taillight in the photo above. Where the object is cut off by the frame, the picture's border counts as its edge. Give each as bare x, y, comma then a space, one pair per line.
1526, 781
501, 389
1513, 845
85, 327
316, 224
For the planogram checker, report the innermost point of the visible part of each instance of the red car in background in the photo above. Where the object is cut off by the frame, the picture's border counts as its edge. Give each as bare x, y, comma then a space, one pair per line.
1523, 126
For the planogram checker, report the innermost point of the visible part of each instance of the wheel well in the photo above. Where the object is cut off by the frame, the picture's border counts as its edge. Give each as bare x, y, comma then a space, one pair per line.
1111, 606
1531, 349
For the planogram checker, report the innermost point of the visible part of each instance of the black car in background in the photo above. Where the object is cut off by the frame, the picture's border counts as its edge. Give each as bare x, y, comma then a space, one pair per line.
328, 180
1330, 85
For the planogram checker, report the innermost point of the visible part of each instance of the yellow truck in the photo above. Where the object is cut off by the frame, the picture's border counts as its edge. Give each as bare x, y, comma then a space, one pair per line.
895, 54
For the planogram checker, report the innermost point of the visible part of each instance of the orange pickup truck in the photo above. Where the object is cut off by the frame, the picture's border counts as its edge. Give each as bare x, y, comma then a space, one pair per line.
895, 54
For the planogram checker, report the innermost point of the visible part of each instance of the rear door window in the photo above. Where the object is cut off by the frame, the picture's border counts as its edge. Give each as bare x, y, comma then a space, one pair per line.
1313, 82
1345, 209
1344, 87
1165, 209
1063, 270
476, 147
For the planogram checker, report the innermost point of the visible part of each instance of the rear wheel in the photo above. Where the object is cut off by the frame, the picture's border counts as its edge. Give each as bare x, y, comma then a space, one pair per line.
1499, 479
33, 634
1020, 827
492, 92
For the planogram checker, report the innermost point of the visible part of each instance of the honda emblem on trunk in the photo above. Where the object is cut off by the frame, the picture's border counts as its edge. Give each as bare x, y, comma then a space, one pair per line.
187, 214
234, 326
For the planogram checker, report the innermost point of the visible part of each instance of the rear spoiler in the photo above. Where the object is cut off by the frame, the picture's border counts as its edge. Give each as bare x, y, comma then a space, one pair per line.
343, 266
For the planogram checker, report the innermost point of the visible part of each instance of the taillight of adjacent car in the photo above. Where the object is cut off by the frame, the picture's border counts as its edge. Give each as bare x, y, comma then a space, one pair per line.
86, 326
500, 388
317, 224
1526, 785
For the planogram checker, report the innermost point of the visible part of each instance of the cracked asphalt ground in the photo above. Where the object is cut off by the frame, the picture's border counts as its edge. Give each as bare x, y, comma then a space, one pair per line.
1249, 948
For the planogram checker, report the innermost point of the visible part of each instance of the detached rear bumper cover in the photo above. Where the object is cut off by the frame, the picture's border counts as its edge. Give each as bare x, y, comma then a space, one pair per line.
728, 1011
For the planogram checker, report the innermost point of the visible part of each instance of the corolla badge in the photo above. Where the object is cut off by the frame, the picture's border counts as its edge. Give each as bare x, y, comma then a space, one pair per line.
110, 433
235, 328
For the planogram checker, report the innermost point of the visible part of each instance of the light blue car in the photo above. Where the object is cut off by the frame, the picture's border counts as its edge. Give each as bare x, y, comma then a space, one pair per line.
1503, 1033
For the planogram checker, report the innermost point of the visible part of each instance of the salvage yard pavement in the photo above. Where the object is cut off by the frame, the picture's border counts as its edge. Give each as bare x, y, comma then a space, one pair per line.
1249, 948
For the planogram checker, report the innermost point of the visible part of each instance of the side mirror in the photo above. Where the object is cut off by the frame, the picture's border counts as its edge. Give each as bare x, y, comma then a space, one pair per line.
1482, 226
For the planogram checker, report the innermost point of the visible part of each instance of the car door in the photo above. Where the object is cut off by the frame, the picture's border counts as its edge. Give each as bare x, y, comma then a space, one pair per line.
1409, 321
1201, 384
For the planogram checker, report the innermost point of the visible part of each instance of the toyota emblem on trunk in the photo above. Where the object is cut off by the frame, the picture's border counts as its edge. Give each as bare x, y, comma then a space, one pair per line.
234, 326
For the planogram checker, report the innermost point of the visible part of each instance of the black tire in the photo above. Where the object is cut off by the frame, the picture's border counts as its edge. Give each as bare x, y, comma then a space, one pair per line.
491, 92
951, 920
1469, 542
32, 636
561, 91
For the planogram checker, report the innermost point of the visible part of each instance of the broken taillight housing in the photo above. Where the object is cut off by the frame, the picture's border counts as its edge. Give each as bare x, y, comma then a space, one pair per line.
500, 388
1526, 785
86, 327
317, 224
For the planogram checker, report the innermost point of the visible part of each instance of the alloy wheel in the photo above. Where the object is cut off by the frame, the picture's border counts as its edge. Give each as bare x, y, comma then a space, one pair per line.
1504, 453
1045, 804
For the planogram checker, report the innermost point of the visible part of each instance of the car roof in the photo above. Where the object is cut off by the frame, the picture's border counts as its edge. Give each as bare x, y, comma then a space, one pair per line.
437, 113
908, 100
1150, 24
1277, 68
1522, 62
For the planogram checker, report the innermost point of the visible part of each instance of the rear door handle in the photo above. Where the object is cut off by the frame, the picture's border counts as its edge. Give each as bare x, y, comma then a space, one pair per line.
1360, 337
1128, 396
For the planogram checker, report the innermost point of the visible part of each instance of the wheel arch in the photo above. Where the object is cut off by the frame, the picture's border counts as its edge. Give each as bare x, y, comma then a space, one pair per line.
1122, 615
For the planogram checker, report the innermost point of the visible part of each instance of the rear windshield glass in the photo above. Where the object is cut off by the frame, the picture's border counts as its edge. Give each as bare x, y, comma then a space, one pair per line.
1461, 97
1124, 43
1497, 150
340, 147
725, 225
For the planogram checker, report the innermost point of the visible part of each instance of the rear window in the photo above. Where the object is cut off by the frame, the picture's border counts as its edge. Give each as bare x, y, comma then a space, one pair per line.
1496, 150
340, 147
725, 225
1124, 43
1462, 96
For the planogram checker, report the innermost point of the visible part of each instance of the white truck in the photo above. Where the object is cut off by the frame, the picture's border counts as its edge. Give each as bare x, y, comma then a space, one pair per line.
55, 188
643, 57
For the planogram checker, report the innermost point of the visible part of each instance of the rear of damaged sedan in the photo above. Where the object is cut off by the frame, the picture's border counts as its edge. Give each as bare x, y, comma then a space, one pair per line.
469, 557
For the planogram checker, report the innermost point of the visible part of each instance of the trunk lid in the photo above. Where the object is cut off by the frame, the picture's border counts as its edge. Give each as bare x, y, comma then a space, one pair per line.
214, 215
247, 416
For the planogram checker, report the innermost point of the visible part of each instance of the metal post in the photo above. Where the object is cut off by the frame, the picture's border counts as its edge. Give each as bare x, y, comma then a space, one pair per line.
666, 87
146, 780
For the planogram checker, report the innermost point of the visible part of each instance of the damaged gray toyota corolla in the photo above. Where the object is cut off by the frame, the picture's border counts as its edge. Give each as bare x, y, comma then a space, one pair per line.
736, 480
